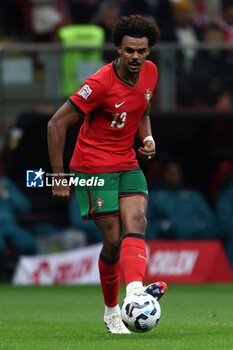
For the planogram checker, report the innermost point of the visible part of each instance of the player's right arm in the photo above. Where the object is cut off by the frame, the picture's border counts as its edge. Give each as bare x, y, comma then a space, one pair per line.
81, 103
63, 119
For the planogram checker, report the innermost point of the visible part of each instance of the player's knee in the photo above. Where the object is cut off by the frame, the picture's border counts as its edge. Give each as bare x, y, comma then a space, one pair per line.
141, 221
111, 235
114, 242
112, 246
138, 222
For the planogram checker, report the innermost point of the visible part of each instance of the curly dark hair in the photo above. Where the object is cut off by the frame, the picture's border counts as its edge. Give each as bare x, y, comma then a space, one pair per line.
135, 26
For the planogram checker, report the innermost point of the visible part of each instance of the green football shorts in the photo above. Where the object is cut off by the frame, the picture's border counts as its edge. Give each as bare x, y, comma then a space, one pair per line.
98, 194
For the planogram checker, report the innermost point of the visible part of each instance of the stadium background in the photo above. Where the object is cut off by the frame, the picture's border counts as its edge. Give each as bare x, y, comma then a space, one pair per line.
192, 123
48, 47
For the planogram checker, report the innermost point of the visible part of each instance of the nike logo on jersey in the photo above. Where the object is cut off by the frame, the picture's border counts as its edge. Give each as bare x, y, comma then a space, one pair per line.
143, 257
120, 104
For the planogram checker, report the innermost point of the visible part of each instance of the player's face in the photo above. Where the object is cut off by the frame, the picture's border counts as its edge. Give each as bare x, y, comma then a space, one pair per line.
133, 52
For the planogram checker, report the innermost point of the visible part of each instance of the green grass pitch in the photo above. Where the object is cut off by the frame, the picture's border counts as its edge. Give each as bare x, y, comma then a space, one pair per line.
71, 318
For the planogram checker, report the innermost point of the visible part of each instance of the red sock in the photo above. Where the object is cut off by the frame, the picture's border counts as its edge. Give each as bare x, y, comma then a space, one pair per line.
110, 279
133, 257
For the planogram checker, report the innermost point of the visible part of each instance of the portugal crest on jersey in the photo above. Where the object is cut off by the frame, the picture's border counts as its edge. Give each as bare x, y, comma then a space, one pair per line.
100, 203
148, 95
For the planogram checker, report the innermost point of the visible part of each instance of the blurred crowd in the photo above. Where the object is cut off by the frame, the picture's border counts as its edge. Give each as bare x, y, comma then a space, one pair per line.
39, 20
203, 78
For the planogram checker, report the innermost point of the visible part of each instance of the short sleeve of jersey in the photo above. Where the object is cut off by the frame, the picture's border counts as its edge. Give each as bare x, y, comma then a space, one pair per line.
88, 97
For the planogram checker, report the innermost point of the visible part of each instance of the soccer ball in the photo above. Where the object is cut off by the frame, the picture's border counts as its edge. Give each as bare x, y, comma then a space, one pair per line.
140, 312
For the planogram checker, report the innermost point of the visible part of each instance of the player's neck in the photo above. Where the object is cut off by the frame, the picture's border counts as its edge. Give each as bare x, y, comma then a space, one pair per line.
124, 74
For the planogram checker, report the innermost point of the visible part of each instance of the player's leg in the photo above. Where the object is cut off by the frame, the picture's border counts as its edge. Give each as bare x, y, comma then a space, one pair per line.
109, 269
101, 204
104, 210
109, 263
133, 209
133, 249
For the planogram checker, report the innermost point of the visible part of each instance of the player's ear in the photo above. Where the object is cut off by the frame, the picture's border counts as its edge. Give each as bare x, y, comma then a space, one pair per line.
148, 52
119, 49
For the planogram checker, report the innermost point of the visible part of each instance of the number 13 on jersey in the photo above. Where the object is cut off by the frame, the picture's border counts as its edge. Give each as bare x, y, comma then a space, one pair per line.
118, 120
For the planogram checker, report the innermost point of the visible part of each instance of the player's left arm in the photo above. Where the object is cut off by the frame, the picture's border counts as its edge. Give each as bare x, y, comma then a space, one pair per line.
144, 134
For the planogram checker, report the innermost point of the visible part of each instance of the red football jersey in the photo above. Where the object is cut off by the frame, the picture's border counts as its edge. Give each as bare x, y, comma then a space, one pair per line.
112, 109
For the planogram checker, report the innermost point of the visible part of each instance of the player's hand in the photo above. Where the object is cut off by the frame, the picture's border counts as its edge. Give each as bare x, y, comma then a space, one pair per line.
148, 151
61, 192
